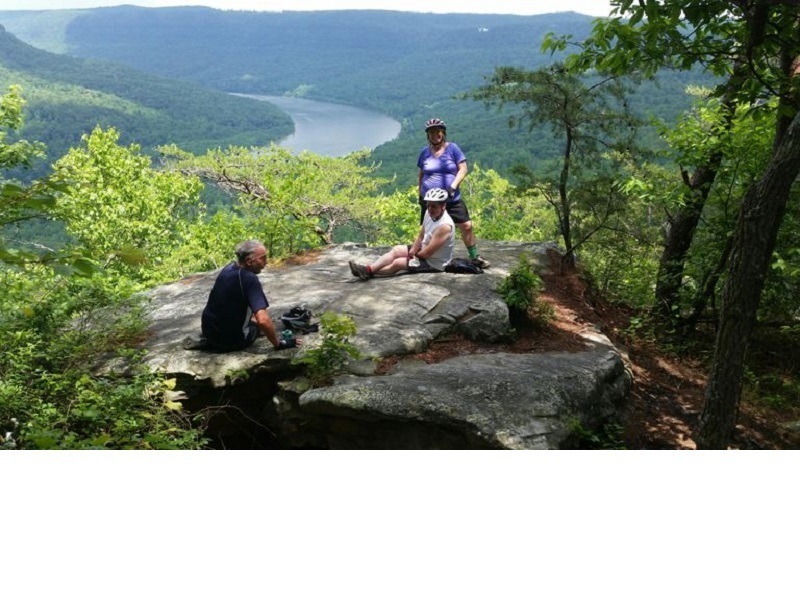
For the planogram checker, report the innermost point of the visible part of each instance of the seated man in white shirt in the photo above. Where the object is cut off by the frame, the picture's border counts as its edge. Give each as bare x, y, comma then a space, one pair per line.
433, 247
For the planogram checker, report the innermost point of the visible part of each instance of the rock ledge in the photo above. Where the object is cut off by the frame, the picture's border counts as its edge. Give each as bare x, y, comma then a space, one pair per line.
496, 400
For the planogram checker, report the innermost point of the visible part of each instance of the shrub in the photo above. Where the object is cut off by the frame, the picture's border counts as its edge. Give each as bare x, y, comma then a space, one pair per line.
335, 350
54, 332
520, 292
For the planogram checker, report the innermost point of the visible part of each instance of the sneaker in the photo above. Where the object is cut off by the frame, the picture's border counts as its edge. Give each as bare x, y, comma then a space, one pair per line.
359, 271
195, 343
353, 269
481, 262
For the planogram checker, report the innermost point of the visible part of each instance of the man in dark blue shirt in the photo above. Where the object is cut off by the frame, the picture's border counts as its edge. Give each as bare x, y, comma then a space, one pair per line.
236, 311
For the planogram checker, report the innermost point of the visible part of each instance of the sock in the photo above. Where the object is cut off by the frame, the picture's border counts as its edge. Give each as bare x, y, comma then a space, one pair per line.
369, 271
473, 251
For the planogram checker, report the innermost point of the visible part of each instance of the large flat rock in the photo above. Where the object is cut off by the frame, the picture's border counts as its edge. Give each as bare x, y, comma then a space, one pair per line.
494, 400
394, 315
498, 400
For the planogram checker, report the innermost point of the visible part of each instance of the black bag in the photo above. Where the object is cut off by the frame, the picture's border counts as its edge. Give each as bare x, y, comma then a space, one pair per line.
462, 265
299, 319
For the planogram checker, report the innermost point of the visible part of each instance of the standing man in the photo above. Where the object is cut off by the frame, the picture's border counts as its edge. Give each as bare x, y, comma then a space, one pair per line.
442, 164
236, 311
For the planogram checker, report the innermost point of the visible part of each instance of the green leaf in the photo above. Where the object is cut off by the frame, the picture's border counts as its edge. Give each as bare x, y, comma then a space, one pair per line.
100, 440
84, 266
172, 405
132, 256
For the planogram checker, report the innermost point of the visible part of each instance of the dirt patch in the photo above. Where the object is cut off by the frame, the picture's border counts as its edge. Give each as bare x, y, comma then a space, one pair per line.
297, 260
667, 394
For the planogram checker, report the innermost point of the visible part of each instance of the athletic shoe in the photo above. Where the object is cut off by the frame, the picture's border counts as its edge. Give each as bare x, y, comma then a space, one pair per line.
195, 343
353, 269
359, 271
481, 262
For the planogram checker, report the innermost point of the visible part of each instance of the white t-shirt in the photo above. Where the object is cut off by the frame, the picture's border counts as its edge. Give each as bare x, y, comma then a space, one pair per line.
445, 252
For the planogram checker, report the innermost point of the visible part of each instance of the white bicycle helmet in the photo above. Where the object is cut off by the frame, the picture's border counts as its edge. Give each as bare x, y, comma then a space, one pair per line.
431, 123
435, 195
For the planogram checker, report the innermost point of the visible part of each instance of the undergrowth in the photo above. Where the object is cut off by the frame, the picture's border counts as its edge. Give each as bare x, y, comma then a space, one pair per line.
51, 388
334, 351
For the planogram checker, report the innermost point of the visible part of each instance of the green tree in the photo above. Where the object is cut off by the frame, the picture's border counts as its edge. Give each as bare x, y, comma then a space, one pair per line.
754, 47
742, 139
53, 327
122, 211
744, 142
589, 119
292, 202
502, 211
22, 152
19, 203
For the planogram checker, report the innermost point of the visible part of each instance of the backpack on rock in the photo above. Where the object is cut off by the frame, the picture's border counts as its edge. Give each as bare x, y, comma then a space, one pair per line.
299, 319
462, 265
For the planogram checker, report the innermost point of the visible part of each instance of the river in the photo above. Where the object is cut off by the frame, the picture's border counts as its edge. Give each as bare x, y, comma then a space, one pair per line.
332, 129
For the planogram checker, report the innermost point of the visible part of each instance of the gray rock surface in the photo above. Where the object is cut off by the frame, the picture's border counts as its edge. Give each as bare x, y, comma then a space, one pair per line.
394, 315
516, 401
483, 401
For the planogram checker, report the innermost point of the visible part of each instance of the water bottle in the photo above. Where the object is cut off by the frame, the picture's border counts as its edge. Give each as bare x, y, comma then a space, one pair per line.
287, 335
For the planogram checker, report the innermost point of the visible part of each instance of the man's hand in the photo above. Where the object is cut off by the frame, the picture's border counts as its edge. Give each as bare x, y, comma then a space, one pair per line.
451, 193
286, 344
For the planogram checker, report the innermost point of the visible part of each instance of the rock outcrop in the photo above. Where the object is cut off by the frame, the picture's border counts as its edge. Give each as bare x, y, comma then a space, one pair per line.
497, 400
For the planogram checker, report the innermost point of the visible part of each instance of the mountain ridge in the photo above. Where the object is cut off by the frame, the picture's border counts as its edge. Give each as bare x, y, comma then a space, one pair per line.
337, 53
410, 66
69, 96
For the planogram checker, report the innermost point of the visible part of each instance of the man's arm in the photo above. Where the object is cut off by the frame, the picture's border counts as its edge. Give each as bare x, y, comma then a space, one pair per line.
266, 326
256, 298
417, 245
438, 240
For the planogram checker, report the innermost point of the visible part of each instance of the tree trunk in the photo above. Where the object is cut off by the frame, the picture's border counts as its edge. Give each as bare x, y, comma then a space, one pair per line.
684, 223
679, 239
568, 260
760, 218
688, 325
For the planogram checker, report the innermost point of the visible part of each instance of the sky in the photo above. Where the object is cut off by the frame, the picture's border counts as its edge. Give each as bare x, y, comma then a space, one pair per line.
597, 8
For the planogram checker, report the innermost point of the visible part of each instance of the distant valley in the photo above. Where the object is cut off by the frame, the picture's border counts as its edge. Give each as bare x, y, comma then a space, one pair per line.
409, 66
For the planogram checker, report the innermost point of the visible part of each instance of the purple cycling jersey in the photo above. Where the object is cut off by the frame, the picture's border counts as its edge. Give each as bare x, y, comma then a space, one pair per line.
440, 172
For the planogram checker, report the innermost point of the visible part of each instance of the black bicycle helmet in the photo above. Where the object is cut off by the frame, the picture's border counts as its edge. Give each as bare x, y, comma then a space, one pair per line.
431, 123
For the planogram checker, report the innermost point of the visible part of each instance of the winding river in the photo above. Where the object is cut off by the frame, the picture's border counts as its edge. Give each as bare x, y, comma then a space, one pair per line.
332, 129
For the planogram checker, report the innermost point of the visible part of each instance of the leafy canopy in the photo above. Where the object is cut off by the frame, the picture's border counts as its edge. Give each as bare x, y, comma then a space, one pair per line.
119, 209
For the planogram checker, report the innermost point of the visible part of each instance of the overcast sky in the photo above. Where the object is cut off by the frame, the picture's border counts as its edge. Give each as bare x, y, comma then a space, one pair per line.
598, 8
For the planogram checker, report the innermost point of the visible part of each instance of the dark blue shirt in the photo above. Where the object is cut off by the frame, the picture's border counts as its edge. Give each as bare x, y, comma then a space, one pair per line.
237, 294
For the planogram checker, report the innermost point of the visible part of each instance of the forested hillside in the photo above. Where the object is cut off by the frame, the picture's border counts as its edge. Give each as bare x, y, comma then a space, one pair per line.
391, 61
690, 226
68, 97
408, 65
